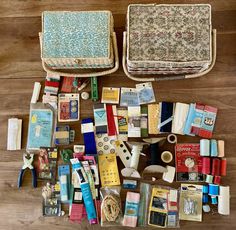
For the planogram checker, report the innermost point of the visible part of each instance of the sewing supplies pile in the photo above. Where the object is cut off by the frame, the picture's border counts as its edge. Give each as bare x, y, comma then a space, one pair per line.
122, 173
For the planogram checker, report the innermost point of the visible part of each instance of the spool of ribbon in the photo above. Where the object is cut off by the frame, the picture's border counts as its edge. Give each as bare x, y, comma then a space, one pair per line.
204, 147
215, 171
206, 165
213, 190
223, 166
214, 148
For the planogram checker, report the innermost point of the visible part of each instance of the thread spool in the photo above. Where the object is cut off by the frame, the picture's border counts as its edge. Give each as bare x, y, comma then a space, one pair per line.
136, 151
215, 171
224, 201
85, 95
223, 166
221, 148
209, 179
214, 200
166, 157
213, 189
214, 148
205, 189
206, 165
172, 138
217, 180
155, 154
204, 147
205, 198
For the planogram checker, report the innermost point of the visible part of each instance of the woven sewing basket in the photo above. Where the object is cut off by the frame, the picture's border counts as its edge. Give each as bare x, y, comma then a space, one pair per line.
78, 43
171, 41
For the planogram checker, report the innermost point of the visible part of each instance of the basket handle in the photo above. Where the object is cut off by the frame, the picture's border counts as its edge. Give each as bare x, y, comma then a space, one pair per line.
92, 74
169, 77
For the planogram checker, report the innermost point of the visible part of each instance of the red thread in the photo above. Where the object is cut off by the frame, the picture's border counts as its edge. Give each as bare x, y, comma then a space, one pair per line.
215, 167
223, 166
206, 165
217, 179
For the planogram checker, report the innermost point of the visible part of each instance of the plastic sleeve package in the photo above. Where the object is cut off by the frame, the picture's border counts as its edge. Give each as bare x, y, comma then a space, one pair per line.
111, 211
163, 208
42, 122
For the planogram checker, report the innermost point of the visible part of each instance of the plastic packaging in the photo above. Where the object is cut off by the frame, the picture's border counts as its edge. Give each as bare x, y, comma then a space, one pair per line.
111, 212
42, 123
145, 190
51, 200
191, 202
163, 208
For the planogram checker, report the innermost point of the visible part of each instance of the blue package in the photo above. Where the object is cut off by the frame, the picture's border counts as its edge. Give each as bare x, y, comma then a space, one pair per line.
129, 97
40, 128
166, 114
86, 191
64, 178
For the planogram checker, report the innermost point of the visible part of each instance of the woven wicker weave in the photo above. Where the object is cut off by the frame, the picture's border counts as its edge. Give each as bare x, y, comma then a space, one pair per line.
77, 39
82, 40
169, 39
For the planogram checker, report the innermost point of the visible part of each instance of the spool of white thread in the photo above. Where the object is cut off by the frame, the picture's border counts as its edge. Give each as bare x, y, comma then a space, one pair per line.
136, 151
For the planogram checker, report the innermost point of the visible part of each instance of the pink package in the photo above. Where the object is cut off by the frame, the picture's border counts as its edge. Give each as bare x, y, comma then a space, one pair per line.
131, 209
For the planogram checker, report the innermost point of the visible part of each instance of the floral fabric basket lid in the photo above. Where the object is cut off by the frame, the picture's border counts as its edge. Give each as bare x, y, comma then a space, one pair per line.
77, 39
166, 37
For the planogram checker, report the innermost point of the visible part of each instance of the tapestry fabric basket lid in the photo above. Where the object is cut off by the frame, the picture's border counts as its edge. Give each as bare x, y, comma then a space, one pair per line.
77, 39
169, 38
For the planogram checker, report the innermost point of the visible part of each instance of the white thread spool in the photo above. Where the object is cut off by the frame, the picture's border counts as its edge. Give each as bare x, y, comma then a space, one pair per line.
136, 151
205, 147
85, 95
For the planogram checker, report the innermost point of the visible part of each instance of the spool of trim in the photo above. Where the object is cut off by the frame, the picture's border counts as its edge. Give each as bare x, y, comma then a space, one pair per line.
166, 157
172, 138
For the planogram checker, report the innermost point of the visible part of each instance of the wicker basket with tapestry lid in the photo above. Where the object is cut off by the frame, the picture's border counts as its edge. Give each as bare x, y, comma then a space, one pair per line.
176, 41
78, 40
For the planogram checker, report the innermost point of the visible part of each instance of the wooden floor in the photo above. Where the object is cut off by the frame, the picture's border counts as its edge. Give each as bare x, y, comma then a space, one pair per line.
20, 67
